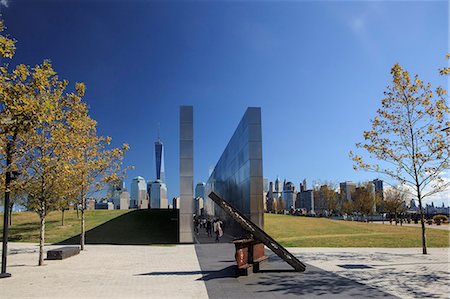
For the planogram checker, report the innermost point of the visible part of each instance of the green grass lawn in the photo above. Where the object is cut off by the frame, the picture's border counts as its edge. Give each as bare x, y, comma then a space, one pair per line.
102, 227
154, 227
295, 231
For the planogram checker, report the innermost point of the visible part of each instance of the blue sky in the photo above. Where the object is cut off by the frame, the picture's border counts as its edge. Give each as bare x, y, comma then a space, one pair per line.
317, 69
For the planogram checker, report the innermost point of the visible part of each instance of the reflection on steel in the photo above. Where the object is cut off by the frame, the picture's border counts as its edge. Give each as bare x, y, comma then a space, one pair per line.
258, 233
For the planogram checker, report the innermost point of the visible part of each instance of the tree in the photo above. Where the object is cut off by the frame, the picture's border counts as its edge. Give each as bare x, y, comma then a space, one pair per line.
364, 200
395, 202
46, 153
406, 142
94, 162
23, 95
347, 207
330, 196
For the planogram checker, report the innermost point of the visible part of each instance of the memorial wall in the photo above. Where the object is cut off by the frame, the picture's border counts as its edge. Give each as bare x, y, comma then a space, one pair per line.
238, 176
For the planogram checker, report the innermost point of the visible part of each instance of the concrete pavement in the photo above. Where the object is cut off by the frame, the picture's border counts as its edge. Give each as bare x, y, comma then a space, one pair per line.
105, 271
207, 270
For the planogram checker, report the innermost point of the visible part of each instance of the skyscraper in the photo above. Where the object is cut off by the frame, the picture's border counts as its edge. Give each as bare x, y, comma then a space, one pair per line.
200, 190
158, 195
347, 188
137, 185
289, 194
159, 159
378, 187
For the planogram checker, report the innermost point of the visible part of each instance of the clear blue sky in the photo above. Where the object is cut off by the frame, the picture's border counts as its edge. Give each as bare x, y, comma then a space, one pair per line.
317, 69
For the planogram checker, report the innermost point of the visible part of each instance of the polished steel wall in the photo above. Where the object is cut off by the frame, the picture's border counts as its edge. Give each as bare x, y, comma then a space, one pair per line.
186, 174
238, 176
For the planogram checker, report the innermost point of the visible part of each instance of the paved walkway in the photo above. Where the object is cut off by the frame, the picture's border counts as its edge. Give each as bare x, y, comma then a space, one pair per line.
105, 271
202, 270
427, 226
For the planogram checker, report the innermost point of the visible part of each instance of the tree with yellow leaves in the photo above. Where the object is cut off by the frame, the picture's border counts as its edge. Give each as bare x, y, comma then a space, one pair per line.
94, 162
17, 118
407, 142
49, 141
46, 152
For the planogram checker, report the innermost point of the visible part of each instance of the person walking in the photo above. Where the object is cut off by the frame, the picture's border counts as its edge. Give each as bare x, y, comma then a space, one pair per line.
218, 229
209, 227
196, 225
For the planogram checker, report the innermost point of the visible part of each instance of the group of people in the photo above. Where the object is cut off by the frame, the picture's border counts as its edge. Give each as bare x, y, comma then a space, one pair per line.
215, 225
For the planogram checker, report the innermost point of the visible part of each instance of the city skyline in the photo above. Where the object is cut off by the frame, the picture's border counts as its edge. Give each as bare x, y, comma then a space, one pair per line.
318, 80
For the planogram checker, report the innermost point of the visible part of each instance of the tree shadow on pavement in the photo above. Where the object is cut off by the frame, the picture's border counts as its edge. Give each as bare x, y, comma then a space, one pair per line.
228, 272
314, 283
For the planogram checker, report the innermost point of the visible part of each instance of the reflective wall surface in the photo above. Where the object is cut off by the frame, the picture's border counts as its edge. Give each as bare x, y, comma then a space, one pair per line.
186, 174
238, 176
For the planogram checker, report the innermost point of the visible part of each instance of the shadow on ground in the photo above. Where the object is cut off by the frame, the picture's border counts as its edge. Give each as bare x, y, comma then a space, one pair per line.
275, 280
139, 227
227, 272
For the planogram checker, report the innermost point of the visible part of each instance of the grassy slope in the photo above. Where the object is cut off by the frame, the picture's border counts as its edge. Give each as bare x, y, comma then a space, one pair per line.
139, 227
295, 231
25, 225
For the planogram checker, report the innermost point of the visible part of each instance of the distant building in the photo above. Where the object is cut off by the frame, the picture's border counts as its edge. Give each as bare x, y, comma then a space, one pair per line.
124, 200
199, 198
137, 184
143, 200
176, 202
378, 185
429, 209
270, 199
159, 159
90, 204
278, 186
105, 205
158, 195
305, 201
289, 195
265, 185
200, 190
199, 206
114, 192
265, 190
346, 190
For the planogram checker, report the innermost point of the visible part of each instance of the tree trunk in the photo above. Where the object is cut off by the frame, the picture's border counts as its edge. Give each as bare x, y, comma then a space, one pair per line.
62, 217
396, 218
82, 225
422, 223
41, 239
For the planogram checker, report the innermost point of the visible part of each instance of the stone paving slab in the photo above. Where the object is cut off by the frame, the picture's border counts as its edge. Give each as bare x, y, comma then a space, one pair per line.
105, 271
403, 272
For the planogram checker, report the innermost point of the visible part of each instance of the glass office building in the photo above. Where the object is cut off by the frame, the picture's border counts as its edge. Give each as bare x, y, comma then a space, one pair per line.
159, 159
238, 176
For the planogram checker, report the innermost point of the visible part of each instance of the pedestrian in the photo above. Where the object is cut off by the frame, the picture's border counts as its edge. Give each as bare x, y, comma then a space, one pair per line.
218, 229
209, 227
196, 225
